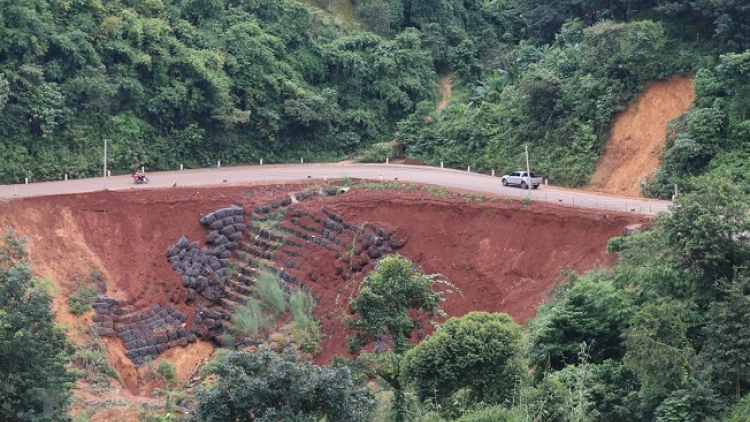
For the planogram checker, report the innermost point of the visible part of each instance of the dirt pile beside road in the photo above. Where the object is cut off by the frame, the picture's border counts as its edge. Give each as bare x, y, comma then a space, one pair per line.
502, 255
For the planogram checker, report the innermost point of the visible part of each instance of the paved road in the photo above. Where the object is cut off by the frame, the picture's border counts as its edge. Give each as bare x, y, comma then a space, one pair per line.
318, 172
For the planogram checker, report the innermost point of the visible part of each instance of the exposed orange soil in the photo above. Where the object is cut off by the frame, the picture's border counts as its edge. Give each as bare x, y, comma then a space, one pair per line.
502, 255
638, 137
446, 91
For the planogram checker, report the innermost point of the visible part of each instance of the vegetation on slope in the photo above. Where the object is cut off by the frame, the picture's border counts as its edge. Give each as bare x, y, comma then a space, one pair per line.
33, 350
193, 82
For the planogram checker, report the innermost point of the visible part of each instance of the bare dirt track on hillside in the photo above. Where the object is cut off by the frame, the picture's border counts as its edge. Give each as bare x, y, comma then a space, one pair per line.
446, 91
638, 137
502, 255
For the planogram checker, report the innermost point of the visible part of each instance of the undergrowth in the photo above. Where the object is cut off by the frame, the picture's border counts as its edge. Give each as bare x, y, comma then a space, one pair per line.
268, 291
91, 363
248, 319
305, 329
82, 298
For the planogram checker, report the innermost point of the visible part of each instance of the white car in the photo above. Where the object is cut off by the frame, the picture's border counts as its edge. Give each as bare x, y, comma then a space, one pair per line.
522, 179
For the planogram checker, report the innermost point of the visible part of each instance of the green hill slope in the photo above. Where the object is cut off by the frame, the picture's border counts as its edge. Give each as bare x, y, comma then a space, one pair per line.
170, 82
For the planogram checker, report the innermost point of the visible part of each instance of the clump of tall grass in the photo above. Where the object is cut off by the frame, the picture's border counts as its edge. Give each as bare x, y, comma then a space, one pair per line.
305, 329
301, 305
248, 319
268, 291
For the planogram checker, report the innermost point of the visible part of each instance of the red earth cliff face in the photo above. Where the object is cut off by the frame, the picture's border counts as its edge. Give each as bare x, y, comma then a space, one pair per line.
502, 255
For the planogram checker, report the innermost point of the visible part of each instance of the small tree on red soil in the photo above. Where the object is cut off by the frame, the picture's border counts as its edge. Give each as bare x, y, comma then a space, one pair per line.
387, 305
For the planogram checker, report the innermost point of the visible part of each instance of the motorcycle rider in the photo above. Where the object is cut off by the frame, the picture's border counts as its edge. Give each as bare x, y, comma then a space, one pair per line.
139, 174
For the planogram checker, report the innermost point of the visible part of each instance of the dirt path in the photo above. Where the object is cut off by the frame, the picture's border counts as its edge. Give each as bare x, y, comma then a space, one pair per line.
446, 91
638, 137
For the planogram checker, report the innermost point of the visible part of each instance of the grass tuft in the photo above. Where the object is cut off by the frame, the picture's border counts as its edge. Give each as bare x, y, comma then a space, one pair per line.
248, 319
269, 292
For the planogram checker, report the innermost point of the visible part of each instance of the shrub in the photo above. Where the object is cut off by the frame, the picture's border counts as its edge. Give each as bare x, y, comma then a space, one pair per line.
80, 301
266, 386
167, 371
479, 354
375, 153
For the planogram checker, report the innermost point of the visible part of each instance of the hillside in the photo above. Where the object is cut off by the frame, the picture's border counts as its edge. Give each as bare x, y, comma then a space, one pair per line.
157, 288
479, 246
173, 83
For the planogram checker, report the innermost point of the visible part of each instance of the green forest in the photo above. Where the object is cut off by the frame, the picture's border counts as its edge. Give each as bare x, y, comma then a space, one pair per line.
191, 82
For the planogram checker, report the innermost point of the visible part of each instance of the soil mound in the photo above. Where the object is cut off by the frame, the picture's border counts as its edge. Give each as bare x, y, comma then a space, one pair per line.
165, 256
638, 137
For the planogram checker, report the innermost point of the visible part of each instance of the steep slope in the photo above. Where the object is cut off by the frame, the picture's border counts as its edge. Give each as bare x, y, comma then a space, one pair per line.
638, 137
502, 255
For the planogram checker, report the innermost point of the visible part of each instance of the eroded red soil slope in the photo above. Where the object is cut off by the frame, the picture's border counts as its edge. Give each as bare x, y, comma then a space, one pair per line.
502, 255
638, 137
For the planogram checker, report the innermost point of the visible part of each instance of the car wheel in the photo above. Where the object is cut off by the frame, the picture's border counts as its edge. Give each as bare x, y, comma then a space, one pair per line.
524, 185
505, 182
535, 186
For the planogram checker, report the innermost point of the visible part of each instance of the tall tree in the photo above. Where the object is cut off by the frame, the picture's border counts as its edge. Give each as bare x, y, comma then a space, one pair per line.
480, 352
33, 350
386, 308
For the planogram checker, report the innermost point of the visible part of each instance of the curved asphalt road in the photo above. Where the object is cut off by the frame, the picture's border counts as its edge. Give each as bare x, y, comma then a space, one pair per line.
318, 172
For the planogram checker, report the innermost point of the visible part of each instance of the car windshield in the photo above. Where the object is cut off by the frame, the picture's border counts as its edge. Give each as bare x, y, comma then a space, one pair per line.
532, 174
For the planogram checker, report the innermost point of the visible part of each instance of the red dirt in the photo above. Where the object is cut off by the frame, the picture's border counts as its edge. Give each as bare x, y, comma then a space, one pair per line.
638, 137
502, 255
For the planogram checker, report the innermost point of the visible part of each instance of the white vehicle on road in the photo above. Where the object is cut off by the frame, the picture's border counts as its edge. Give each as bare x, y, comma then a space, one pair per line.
522, 179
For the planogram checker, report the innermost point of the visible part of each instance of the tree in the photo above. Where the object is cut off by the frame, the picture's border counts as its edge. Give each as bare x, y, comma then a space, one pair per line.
267, 387
480, 351
709, 234
4, 91
590, 311
33, 350
386, 308
387, 300
727, 336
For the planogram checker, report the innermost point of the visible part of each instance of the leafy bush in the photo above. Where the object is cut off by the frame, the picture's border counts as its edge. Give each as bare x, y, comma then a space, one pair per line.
587, 310
217, 358
306, 332
81, 301
738, 411
265, 386
167, 371
480, 353
375, 153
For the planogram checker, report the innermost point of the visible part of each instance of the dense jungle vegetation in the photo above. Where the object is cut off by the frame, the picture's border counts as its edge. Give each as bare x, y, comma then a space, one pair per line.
190, 82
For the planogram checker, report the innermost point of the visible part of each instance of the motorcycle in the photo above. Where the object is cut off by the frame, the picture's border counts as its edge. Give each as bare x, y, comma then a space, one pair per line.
139, 179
